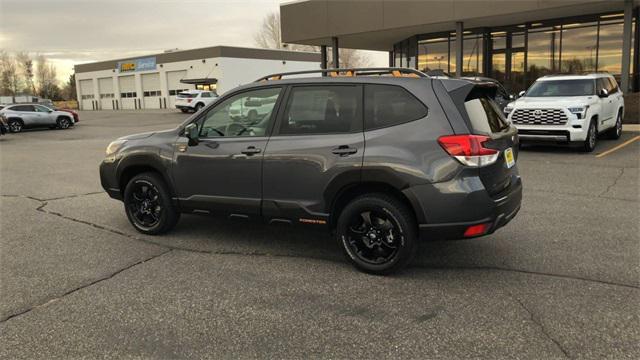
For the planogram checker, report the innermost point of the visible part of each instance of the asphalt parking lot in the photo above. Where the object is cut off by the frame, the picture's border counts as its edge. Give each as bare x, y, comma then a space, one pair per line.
562, 280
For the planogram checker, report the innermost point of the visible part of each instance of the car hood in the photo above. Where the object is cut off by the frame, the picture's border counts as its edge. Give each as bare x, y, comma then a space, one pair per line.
554, 102
137, 136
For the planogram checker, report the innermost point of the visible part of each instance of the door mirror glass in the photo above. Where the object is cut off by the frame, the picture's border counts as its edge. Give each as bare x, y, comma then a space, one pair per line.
603, 93
191, 132
521, 93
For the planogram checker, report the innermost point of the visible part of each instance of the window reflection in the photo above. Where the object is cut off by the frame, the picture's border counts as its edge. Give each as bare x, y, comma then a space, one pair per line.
543, 52
610, 52
579, 44
472, 55
433, 55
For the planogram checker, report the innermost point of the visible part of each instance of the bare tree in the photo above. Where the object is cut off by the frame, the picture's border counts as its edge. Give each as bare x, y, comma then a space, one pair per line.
270, 37
10, 82
46, 78
69, 89
25, 63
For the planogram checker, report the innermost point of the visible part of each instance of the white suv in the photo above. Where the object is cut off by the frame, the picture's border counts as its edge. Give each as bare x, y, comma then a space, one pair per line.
194, 100
569, 109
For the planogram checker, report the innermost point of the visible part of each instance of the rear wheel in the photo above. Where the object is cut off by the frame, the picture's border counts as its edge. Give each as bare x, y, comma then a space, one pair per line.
15, 125
616, 131
63, 123
148, 205
378, 233
590, 142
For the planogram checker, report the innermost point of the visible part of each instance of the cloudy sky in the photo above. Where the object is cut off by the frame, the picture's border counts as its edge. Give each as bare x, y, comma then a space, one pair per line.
76, 31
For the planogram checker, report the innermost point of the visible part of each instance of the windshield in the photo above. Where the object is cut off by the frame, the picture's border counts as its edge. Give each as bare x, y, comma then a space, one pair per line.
562, 88
187, 95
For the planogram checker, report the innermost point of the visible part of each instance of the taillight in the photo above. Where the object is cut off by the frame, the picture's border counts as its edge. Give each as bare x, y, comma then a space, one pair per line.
189, 100
469, 149
477, 230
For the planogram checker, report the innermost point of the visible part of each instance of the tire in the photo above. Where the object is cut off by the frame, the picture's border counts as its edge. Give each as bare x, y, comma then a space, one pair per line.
591, 141
199, 107
389, 235
63, 123
139, 204
15, 125
184, 110
616, 131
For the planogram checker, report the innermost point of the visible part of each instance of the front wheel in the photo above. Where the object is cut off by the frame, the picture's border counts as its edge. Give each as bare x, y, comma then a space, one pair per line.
198, 107
615, 132
63, 123
147, 203
378, 233
590, 142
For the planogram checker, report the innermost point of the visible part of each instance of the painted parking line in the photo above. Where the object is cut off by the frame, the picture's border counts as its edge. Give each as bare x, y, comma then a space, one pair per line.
616, 148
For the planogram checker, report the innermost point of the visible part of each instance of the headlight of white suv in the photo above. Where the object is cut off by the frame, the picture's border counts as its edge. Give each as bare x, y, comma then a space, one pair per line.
579, 111
112, 148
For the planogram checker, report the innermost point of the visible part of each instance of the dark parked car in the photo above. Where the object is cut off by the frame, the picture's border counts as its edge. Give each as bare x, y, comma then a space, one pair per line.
380, 160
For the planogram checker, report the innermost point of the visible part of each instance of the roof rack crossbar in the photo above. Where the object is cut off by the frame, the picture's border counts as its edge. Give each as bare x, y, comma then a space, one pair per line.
348, 72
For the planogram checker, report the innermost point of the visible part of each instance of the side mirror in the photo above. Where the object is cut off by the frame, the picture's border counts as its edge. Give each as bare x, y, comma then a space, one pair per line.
191, 132
603, 93
521, 93
512, 97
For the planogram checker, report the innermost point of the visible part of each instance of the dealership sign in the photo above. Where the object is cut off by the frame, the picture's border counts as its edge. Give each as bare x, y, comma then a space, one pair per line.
142, 64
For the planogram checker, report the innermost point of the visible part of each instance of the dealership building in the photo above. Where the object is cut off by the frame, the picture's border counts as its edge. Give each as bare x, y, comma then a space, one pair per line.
513, 41
152, 81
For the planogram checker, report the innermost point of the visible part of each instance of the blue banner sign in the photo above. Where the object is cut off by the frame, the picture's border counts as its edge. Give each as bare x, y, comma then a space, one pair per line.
142, 64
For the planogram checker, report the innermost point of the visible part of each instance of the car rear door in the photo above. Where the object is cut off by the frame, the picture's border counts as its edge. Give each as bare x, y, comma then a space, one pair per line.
317, 146
27, 113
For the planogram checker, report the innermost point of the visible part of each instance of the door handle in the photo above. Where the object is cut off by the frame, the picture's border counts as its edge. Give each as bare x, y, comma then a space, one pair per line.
251, 150
344, 150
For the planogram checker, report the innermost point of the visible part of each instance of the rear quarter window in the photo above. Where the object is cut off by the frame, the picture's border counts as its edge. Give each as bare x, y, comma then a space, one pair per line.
484, 114
389, 105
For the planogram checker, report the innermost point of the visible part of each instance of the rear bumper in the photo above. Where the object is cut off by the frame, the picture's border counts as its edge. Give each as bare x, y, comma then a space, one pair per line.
184, 107
452, 207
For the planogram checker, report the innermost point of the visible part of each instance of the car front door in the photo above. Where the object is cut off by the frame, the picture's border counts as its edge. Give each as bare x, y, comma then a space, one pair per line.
317, 147
606, 105
223, 171
44, 115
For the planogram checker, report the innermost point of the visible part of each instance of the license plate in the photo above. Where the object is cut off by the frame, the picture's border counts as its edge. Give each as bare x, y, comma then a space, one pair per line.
508, 157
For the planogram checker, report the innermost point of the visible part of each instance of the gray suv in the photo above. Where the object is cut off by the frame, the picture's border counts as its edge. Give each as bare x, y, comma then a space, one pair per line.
21, 116
381, 157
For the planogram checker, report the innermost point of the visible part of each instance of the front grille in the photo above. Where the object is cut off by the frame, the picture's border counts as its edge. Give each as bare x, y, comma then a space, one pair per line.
539, 117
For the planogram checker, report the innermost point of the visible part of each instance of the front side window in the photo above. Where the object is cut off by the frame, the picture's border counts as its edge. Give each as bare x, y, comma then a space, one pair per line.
245, 114
323, 110
549, 88
388, 105
43, 109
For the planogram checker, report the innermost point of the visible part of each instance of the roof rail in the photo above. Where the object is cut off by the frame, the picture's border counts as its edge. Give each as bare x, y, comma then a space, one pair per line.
578, 73
349, 72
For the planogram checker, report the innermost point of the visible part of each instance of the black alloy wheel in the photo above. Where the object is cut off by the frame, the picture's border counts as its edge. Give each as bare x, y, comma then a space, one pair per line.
378, 233
148, 204
15, 125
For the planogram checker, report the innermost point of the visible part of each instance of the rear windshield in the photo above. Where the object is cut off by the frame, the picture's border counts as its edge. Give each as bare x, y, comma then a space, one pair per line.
484, 113
187, 95
579, 87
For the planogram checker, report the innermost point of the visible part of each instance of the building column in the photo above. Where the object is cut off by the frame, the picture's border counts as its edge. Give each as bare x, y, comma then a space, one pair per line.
459, 43
626, 45
336, 52
391, 59
323, 58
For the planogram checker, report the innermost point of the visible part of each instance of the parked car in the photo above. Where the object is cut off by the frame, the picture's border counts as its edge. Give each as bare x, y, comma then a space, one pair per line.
501, 96
194, 100
76, 117
569, 109
439, 162
21, 116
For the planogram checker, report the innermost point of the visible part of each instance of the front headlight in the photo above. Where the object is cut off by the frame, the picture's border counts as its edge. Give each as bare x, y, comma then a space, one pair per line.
507, 110
112, 148
579, 111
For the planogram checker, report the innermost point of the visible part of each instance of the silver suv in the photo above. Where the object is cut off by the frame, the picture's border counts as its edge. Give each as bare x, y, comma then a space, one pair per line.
20, 116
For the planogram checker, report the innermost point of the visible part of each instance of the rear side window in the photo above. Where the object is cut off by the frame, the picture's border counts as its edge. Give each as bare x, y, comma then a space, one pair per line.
187, 95
323, 110
388, 105
23, 108
613, 85
484, 114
